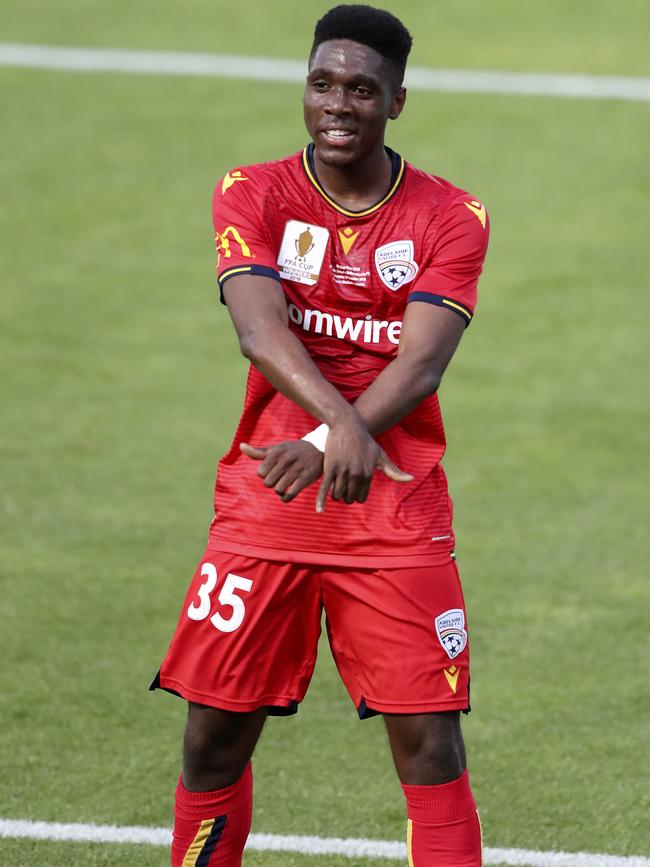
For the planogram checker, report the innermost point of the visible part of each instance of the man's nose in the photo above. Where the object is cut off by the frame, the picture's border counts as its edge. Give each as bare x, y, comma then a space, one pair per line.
337, 101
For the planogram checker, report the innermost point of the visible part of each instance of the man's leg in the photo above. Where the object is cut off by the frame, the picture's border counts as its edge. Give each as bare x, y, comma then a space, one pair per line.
429, 755
214, 796
241, 659
399, 638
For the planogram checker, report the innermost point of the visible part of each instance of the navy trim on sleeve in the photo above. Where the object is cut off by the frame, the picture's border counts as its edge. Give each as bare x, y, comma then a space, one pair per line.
441, 301
255, 270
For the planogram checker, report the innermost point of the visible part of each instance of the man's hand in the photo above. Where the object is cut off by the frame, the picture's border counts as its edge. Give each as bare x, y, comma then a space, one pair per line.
351, 458
287, 467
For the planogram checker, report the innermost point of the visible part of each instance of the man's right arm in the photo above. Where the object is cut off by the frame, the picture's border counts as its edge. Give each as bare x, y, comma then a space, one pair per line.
258, 310
259, 313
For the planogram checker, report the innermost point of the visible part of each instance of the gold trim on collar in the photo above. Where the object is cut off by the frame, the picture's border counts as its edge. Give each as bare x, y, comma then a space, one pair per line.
330, 201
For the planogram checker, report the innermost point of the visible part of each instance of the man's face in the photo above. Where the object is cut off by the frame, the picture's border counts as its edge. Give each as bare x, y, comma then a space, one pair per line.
349, 96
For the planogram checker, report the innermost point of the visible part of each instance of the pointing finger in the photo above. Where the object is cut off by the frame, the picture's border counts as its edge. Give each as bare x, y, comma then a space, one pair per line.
393, 472
325, 485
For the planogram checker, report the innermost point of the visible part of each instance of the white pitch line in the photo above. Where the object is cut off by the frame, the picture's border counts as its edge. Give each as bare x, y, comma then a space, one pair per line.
352, 848
271, 69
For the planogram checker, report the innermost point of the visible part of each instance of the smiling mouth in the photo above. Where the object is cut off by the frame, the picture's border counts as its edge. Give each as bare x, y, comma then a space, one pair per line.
337, 136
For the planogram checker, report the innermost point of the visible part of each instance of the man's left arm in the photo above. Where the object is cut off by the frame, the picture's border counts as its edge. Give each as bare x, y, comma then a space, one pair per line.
430, 335
440, 306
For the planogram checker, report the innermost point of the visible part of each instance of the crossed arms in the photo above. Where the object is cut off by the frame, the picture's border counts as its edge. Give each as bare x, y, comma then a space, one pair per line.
429, 337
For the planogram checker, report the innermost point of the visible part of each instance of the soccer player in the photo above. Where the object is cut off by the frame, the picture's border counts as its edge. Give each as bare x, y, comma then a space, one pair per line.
350, 277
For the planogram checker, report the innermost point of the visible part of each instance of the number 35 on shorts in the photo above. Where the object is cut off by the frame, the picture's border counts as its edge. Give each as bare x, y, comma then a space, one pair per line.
227, 597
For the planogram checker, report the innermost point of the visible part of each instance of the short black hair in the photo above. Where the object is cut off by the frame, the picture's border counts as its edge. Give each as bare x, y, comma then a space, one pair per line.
376, 28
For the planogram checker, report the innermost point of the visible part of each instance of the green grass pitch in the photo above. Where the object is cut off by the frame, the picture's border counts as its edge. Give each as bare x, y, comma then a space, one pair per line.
121, 385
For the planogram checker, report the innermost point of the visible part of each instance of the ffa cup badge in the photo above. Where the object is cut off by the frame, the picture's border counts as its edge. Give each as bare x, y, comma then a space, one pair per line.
450, 629
395, 264
302, 252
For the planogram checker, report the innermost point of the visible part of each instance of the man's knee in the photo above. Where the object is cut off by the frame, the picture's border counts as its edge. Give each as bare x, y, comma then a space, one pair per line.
218, 745
427, 748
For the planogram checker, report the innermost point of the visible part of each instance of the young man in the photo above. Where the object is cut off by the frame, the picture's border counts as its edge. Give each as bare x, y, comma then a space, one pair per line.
350, 277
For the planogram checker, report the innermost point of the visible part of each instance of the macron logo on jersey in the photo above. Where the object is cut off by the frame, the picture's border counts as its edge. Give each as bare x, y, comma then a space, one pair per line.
366, 330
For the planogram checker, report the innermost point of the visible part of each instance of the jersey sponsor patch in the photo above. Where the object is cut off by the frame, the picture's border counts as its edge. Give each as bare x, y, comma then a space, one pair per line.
366, 330
302, 252
450, 629
396, 264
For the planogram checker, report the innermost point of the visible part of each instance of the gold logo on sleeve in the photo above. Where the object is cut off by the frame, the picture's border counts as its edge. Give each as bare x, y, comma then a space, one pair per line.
478, 210
223, 243
230, 179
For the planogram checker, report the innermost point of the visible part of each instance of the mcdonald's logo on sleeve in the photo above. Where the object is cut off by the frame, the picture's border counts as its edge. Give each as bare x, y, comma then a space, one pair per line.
225, 239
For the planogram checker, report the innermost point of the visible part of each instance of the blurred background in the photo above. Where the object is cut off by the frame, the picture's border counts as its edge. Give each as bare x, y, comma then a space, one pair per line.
122, 383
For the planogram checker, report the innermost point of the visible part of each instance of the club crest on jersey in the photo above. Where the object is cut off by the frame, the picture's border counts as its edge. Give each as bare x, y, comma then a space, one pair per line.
450, 629
302, 252
395, 264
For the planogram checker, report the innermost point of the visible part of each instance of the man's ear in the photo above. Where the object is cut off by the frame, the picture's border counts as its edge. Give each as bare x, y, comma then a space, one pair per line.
397, 103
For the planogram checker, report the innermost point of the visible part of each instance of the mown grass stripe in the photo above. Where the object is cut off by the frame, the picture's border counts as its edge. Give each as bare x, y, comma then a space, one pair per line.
351, 848
273, 69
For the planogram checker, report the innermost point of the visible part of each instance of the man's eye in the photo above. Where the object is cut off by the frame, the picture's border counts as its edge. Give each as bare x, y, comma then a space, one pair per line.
362, 91
320, 85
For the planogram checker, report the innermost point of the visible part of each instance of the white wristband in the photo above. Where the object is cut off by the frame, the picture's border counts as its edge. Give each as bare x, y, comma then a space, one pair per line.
318, 437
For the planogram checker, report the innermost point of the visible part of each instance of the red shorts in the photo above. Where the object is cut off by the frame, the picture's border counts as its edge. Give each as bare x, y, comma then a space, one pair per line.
248, 635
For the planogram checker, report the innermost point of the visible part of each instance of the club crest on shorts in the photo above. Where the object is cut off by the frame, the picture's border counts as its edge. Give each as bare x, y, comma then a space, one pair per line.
395, 264
450, 629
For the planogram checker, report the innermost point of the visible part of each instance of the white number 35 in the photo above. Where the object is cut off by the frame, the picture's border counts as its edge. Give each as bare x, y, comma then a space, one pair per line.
227, 596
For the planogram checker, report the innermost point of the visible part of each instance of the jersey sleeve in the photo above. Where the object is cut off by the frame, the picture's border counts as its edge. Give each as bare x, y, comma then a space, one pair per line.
451, 269
243, 246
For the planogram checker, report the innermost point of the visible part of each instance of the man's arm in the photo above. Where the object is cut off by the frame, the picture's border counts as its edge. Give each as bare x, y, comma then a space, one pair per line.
429, 337
259, 313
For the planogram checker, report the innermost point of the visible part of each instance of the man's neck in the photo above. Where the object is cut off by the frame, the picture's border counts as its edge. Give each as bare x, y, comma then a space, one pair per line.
359, 185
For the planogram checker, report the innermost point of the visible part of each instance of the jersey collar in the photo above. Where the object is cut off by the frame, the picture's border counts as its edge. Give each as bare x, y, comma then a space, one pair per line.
397, 173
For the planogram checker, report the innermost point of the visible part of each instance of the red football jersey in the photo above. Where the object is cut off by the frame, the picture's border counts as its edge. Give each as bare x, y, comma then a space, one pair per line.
347, 277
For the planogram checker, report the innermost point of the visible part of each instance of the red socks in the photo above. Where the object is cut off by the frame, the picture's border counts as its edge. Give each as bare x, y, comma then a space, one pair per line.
443, 826
212, 827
